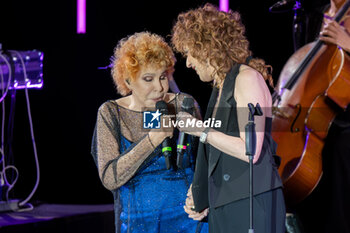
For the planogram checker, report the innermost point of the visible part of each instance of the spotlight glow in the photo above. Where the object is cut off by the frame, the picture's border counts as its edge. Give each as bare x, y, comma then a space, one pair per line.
81, 16
224, 6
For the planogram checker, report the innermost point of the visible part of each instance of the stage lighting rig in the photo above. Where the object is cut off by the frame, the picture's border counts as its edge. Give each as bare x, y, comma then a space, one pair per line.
21, 69
18, 70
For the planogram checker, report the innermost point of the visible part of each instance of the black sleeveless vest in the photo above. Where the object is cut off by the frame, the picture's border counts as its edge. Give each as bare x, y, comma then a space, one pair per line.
220, 178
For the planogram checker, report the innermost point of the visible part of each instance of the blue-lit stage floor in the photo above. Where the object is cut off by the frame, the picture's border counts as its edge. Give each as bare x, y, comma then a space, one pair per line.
60, 218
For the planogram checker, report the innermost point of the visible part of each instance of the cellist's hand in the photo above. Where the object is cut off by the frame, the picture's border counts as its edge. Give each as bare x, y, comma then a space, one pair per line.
336, 34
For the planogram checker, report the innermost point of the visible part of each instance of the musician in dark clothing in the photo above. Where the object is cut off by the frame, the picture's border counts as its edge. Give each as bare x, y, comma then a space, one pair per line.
326, 209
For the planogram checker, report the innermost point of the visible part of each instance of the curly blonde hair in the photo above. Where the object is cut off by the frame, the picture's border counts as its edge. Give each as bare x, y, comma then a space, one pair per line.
136, 51
219, 36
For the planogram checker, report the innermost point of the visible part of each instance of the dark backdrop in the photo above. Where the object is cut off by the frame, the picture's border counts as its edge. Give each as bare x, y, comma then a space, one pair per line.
64, 111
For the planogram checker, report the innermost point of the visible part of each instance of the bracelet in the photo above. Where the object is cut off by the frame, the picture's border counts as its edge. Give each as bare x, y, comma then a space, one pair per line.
204, 136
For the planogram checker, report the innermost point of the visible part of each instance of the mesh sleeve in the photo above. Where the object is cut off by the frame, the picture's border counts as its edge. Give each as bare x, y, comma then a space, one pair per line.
116, 169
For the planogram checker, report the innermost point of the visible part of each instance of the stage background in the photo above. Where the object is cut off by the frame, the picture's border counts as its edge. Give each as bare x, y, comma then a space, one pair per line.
64, 111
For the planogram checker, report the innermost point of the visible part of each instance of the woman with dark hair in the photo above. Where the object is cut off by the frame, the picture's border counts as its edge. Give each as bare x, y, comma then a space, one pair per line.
148, 197
215, 46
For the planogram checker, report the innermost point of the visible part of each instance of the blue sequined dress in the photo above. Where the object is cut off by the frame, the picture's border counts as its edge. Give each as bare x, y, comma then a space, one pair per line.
152, 199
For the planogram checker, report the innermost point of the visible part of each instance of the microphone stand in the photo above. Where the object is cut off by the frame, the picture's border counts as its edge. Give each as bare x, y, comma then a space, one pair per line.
299, 20
298, 26
250, 145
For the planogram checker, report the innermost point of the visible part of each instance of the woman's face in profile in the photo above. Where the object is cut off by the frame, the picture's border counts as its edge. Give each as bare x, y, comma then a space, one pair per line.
150, 86
202, 69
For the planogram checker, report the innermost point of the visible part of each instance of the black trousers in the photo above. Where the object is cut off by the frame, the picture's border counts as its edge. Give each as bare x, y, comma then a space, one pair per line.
326, 210
269, 215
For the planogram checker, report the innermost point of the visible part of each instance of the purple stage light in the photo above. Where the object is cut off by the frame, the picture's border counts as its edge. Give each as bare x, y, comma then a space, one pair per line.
81, 16
24, 71
224, 6
28, 85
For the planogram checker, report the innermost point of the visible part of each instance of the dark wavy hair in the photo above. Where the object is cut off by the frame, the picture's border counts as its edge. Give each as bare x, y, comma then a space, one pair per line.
219, 36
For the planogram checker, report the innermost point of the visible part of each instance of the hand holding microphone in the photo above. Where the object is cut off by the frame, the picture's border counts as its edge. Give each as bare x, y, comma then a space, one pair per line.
187, 106
158, 135
165, 133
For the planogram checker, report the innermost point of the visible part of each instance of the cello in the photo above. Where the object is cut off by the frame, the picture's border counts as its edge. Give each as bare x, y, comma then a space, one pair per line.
313, 87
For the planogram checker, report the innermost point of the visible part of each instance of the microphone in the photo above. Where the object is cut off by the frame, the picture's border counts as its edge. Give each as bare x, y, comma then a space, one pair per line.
250, 133
187, 106
166, 146
280, 4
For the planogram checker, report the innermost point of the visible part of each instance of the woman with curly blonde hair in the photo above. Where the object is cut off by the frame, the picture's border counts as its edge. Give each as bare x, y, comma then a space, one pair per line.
215, 46
148, 196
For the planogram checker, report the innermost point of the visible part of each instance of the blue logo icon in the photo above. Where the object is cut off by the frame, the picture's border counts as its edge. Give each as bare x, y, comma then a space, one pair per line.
151, 120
